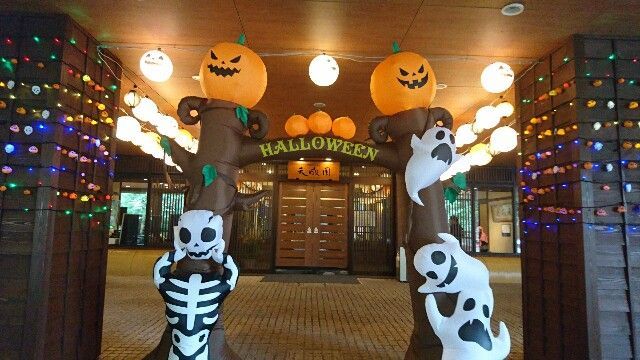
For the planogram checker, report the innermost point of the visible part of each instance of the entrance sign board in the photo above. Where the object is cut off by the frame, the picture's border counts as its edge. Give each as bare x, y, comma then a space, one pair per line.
313, 170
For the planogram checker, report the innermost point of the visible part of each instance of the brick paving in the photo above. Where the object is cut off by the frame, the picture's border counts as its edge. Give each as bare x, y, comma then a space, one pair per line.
370, 320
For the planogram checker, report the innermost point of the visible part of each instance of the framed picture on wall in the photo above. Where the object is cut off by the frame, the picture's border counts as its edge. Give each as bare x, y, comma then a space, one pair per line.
505, 230
502, 212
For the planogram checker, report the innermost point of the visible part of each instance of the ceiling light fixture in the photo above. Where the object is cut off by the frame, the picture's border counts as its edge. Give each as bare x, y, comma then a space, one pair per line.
441, 86
512, 9
323, 70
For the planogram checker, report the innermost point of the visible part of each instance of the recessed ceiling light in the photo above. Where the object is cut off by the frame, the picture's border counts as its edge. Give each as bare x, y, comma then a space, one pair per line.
512, 9
441, 86
196, 77
319, 105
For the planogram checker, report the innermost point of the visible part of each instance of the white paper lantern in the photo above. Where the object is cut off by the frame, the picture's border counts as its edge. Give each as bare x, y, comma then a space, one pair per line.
497, 77
465, 135
146, 110
479, 155
505, 109
156, 66
503, 139
323, 70
184, 138
132, 98
487, 117
127, 128
168, 127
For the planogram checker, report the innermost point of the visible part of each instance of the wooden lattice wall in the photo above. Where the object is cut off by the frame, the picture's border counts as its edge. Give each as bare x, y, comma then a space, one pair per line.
580, 190
57, 105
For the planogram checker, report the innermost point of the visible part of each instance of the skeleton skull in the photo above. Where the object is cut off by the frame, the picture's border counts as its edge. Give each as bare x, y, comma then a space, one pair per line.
448, 268
199, 233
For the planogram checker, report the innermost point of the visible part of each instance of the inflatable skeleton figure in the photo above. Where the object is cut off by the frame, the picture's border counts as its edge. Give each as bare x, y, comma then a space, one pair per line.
448, 268
193, 299
467, 335
432, 155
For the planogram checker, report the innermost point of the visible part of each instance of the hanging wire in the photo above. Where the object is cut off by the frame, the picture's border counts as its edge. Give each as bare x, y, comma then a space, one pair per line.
415, 15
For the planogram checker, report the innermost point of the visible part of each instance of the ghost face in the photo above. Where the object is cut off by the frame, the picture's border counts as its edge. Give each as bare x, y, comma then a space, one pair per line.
432, 155
448, 268
199, 233
189, 344
472, 315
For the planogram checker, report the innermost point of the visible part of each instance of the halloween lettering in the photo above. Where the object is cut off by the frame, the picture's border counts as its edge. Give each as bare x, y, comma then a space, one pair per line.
361, 151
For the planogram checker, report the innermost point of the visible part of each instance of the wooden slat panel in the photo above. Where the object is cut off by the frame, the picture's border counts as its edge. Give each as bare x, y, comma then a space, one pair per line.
297, 254
332, 245
290, 262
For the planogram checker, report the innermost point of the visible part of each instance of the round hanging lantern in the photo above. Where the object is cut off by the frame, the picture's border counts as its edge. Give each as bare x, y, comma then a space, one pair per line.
323, 70
156, 66
487, 117
150, 143
319, 122
465, 135
497, 77
132, 98
344, 127
503, 139
127, 128
146, 110
168, 126
296, 125
505, 109
479, 155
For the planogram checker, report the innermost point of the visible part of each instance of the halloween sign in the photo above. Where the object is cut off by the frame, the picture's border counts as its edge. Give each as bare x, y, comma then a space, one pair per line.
402, 81
233, 72
302, 144
433, 154
313, 170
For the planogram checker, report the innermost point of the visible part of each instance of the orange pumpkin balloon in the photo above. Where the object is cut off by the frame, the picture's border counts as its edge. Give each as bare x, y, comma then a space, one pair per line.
319, 122
344, 127
296, 125
402, 81
233, 72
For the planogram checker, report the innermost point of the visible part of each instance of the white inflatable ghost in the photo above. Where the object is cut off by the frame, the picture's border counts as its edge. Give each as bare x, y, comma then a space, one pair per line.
432, 155
467, 335
448, 268
199, 233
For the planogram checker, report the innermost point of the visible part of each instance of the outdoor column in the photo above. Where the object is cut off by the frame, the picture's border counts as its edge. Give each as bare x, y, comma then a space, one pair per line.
57, 104
579, 193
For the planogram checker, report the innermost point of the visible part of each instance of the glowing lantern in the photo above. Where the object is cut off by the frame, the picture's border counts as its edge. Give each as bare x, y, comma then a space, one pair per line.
156, 66
479, 155
497, 77
146, 110
127, 128
323, 70
465, 135
503, 139
505, 109
132, 98
487, 117
184, 138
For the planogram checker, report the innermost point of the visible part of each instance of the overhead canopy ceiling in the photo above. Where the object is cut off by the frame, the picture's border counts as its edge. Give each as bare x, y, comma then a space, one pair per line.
459, 37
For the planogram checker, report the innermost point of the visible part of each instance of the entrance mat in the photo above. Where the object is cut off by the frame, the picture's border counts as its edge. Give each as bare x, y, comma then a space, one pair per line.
311, 278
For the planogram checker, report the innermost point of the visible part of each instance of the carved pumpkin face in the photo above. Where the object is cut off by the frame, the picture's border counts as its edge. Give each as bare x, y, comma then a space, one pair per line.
233, 72
403, 81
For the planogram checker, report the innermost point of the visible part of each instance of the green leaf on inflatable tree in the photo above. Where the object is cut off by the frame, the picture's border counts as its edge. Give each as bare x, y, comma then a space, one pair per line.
460, 180
209, 173
451, 194
396, 47
242, 113
241, 39
166, 146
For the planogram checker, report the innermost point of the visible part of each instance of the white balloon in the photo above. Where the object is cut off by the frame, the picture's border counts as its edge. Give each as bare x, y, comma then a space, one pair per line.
487, 117
465, 135
432, 156
497, 77
146, 110
505, 109
156, 65
323, 70
503, 139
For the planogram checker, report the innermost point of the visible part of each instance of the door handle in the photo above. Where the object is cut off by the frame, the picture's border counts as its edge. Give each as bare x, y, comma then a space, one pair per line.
309, 230
315, 231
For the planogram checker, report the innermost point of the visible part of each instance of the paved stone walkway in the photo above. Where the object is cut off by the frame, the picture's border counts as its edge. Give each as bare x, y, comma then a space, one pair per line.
370, 320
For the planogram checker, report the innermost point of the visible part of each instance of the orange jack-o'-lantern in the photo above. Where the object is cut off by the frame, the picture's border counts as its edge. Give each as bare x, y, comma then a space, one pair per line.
233, 72
343, 127
319, 122
296, 125
402, 81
